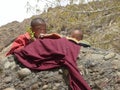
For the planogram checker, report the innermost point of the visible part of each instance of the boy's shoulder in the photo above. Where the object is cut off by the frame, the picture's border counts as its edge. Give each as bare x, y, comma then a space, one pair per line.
26, 35
83, 43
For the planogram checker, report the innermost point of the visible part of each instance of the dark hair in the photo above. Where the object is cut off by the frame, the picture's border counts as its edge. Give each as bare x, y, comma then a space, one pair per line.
37, 21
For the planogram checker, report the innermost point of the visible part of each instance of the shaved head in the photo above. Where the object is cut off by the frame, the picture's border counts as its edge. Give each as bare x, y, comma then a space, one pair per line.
37, 21
77, 34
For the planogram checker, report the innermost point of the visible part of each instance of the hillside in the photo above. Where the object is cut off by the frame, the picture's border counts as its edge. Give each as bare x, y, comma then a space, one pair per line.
100, 22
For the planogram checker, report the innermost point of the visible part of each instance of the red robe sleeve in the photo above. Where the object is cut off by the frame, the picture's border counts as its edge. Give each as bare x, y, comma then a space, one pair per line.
19, 43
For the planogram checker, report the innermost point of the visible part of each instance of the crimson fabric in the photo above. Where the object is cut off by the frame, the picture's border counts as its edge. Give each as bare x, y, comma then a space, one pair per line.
25, 39
44, 54
19, 43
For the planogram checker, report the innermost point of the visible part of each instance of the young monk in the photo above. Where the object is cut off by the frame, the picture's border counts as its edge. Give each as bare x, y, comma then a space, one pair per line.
77, 34
38, 26
77, 37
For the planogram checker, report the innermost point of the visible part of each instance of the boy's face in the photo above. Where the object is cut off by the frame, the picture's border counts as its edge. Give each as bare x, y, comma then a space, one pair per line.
39, 29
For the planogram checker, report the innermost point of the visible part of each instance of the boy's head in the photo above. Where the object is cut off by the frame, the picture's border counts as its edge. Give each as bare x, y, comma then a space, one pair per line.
77, 34
38, 26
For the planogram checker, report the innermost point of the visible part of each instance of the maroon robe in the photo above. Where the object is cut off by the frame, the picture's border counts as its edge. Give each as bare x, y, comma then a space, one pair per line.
44, 54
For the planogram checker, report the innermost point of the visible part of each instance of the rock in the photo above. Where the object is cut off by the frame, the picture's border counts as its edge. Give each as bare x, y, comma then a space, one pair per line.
7, 79
35, 86
45, 87
116, 64
60, 71
9, 89
24, 72
10, 58
57, 84
109, 56
7, 65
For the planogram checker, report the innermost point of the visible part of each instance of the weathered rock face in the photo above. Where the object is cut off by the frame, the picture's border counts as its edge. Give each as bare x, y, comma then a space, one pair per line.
10, 31
14, 75
101, 69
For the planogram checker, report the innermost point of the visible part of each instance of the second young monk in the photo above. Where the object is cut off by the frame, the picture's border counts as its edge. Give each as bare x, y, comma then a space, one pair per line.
77, 37
77, 34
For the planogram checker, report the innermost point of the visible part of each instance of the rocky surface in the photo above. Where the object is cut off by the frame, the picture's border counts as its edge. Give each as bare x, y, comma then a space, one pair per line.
10, 31
101, 69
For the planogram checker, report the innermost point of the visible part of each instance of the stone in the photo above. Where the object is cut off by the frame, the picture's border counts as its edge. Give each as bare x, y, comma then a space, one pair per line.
109, 56
9, 89
24, 72
45, 87
7, 65
8, 79
35, 86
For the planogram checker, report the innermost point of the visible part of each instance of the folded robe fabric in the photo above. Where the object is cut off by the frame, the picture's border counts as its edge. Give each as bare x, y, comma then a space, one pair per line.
44, 54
